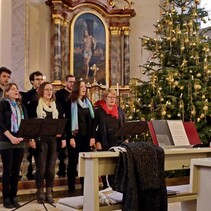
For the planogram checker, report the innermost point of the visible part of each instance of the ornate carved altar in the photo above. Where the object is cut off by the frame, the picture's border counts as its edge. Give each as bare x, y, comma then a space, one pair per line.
91, 32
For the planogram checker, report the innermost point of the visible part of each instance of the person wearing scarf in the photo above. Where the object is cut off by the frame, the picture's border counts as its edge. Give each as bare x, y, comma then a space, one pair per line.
46, 147
11, 146
109, 117
80, 129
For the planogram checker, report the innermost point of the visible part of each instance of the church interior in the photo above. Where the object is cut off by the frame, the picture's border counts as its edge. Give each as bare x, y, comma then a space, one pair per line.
155, 54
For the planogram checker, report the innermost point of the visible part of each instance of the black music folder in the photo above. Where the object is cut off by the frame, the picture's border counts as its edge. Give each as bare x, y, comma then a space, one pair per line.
133, 128
33, 128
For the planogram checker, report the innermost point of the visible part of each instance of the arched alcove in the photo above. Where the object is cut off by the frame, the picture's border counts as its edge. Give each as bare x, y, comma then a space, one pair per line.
68, 46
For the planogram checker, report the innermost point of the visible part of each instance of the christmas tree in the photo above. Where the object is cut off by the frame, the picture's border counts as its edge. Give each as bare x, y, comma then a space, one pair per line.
179, 69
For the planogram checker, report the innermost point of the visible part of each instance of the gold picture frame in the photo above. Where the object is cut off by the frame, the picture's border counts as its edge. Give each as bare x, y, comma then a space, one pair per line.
89, 47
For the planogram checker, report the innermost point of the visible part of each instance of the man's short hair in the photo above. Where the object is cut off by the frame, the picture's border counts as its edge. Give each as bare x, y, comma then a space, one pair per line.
32, 75
6, 70
69, 76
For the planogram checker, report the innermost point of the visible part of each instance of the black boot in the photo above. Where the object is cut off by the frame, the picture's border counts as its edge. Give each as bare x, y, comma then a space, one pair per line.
15, 202
40, 196
7, 203
49, 197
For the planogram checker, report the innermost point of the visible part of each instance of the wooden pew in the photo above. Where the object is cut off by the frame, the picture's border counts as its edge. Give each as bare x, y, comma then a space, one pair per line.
94, 164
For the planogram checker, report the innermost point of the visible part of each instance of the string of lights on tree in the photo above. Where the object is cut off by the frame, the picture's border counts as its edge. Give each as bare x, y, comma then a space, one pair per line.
178, 69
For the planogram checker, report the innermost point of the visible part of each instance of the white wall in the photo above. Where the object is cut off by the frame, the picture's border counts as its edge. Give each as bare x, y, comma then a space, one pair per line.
147, 14
5, 33
38, 35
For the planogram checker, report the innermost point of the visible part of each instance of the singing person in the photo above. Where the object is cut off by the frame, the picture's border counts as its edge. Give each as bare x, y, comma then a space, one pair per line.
11, 146
46, 148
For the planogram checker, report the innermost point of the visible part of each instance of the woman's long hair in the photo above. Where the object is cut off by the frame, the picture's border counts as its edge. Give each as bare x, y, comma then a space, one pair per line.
7, 87
76, 90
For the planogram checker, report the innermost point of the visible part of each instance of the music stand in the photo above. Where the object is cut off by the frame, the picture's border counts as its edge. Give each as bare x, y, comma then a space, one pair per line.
30, 128
52, 127
132, 128
35, 128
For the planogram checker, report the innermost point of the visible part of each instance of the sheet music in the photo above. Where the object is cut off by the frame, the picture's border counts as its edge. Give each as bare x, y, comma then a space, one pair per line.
178, 133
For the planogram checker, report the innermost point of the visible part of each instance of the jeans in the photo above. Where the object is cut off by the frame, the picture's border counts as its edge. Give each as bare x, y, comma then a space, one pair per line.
45, 161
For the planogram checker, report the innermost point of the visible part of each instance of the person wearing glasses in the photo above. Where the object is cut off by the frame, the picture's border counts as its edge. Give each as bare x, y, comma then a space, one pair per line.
109, 117
35, 78
12, 147
46, 148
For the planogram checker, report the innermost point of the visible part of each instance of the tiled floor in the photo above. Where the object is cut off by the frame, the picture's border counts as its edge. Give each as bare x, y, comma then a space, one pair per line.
33, 206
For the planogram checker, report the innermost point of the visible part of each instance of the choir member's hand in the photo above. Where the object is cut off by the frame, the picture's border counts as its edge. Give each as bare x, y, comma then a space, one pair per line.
15, 140
98, 146
127, 140
92, 142
63, 143
32, 143
72, 142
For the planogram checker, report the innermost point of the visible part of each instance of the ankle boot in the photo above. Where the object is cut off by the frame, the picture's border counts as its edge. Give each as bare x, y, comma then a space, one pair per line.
7, 203
40, 196
49, 197
15, 202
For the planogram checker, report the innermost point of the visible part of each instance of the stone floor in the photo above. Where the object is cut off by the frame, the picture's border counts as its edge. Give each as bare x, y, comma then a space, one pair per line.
33, 206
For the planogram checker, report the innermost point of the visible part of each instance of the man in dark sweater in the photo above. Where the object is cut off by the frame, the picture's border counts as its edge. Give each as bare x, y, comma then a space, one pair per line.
4, 78
61, 96
36, 78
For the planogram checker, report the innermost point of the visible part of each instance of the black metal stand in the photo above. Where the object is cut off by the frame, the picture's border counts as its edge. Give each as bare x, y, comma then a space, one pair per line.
43, 203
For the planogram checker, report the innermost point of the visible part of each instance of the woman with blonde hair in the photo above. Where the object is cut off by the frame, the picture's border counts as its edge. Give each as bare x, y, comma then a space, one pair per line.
11, 146
109, 118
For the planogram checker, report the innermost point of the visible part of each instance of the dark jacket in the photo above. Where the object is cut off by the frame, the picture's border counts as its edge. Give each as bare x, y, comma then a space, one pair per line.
5, 119
86, 123
139, 175
62, 96
29, 98
104, 124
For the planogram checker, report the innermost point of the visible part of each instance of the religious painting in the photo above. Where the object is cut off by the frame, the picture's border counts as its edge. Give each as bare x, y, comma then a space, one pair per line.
89, 49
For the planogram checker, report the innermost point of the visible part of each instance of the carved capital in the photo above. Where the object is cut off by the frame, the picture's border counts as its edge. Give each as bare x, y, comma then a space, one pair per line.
65, 23
126, 30
57, 18
115, 31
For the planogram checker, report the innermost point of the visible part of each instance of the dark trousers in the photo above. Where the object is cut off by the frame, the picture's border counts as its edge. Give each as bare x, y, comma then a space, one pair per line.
11, 160
82, 145
45, 161
30, 166
62, 166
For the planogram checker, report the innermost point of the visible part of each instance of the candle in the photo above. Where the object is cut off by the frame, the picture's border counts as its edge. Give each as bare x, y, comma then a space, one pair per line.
106, 86
117, 89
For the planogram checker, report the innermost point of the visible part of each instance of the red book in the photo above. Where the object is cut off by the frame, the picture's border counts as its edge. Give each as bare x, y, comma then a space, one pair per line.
192, 133
152, 132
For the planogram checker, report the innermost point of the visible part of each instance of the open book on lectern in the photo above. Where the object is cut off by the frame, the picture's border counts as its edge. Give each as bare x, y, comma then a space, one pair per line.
173, 133
33, 128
